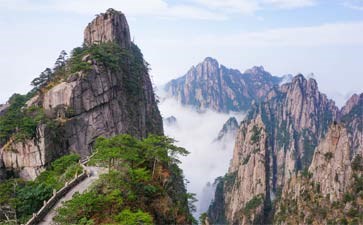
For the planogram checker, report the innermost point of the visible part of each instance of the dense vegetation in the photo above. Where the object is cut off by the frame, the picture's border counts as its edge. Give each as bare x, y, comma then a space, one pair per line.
140, 187
19, 122
20, 199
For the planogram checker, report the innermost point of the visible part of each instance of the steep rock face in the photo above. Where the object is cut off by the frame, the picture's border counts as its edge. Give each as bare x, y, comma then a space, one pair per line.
248, 168
230, 128
331, 192
3, 108
100, 101
29, 157
108, 27
352, 116
101, 105
350, 104
212, 86
59, 95
295, 116
331, 165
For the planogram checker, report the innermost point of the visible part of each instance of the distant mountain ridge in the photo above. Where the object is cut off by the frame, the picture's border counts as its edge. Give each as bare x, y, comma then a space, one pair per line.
210, 85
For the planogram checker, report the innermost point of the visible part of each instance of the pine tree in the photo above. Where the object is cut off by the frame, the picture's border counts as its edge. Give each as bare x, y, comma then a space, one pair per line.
42, 79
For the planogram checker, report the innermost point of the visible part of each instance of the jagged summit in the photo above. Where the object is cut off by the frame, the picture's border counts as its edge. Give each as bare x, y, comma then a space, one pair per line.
230, 127
256, 70
107, 27
210, 60
352, 101
210, 85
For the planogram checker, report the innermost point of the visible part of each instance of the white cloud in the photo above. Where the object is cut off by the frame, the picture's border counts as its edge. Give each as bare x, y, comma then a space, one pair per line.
251, 6
353, 4
337, 34
207, 159
131, 7
190, 9
231, 6
289, 4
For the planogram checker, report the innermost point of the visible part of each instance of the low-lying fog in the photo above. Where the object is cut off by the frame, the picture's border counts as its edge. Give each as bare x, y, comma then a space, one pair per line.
207, 159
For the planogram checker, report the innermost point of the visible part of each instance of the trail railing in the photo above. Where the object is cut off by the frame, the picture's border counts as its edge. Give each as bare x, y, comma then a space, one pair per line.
57, 195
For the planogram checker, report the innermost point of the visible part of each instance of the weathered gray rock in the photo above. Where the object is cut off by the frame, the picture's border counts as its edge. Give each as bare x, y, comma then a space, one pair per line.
212, 86
86, 105
229, 129
248, 167
321, 193
352, 116
60, 95
294, 117
102, 106
350, 104
3, 108
108, 27
27, 158
331, 165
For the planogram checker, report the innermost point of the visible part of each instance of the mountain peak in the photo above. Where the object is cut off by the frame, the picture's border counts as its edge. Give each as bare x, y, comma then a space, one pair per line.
110, 26
230, 127
256, 70
298, 78
210, 61
351, 103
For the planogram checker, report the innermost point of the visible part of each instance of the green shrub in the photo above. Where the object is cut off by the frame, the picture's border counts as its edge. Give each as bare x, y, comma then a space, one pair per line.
127, 217
245, 160
25, 198
252, 204
256, 134
348, 197
82, 207
357, 163
140, 175
328, 156
20, 122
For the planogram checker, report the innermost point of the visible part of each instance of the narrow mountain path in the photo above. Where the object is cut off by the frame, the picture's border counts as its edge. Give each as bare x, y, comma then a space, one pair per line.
95, 173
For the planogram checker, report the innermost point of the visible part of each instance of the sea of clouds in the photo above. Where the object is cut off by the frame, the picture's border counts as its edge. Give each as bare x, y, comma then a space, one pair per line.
208, 159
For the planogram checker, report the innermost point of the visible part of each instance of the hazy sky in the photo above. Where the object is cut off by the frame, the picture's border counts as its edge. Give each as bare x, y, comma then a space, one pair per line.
324, 37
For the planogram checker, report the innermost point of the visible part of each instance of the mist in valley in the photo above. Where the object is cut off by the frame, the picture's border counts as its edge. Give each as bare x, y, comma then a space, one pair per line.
208, 159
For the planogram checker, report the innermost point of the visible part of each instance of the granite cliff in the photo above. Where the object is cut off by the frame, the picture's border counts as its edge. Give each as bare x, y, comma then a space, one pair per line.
103, 89
277, 139
229, 129
212, 86
330, 191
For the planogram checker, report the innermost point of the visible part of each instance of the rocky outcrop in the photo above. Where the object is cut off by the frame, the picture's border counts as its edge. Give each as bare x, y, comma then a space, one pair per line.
99, 101
331, 165
351, 115
212, 86
249, 166
27, 158
60, 95
292, 119
228, 131
108, 27
101, 105
350, 104
330, 191
3, 108
297, 116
